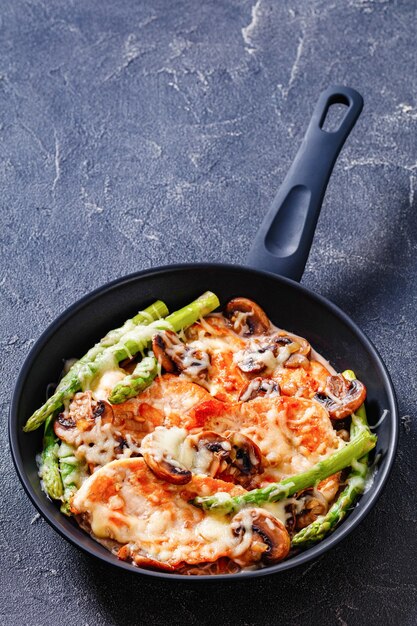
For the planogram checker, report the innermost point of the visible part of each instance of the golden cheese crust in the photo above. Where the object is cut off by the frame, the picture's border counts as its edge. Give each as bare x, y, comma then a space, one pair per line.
152, 520
292, 433
226, 381
247, 395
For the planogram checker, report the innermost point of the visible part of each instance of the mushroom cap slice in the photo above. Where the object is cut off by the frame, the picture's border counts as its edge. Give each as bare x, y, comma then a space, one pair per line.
211, 452
263, 387
159, 451
244, 459
65, 421
269, 539
297, 360
342, 397
314, 504
167, 469
175, 356
298, 344
161, 342
256, 320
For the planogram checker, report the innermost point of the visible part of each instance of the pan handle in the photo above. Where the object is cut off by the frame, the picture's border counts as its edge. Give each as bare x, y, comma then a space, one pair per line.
282, 243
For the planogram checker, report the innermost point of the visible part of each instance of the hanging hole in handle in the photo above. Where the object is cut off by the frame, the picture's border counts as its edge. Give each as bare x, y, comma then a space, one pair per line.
334, 114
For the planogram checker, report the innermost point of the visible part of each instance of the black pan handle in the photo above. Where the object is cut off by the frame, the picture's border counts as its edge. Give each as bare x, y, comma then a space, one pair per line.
283, 242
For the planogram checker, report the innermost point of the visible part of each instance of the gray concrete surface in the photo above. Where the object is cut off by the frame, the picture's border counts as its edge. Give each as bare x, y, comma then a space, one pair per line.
138, 133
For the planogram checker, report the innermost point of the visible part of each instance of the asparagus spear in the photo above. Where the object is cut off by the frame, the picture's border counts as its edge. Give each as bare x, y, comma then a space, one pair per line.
72, 472
141, 377
155, 311
70, 383
340, 459
139, 339
132, 342
50, 468
355, 486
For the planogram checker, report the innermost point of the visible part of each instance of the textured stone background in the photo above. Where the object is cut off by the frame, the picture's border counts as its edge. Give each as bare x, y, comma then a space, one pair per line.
137, 133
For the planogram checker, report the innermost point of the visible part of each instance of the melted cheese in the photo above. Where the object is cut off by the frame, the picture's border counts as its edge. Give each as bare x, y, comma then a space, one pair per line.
179, 449
244, 358
164, 443
102, 386
125, 502
292, 434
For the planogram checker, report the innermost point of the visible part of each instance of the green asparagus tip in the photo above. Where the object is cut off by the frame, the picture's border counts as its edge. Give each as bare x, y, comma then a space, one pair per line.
189, 314
142, 376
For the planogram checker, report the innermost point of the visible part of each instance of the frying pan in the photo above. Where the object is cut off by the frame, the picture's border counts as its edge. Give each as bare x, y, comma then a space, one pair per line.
276, 260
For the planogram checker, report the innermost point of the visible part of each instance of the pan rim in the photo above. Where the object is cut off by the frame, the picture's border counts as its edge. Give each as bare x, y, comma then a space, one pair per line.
302, 558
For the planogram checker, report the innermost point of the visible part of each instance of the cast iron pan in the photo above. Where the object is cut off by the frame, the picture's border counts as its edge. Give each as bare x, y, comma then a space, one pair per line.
278, 257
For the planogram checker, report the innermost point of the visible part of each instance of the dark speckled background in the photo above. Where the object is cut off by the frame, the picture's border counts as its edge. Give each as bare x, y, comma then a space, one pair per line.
140, 133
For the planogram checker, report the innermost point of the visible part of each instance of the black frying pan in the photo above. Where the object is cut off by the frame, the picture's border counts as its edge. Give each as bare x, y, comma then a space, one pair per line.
279, 254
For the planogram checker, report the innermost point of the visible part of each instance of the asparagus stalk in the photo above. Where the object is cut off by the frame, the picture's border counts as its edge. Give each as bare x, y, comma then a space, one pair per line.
50, 468
155, 311
130, 343
274, 492
141, 377
71, 383
355, 486
72, 472
139, 339
147, 369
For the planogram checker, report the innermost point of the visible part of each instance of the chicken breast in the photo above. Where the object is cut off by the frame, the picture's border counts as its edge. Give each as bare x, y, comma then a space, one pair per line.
235, 360
292, 433
152, 520
101, 433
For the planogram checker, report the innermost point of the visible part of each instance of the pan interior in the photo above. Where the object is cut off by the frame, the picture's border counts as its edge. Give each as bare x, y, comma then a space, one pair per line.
287, 304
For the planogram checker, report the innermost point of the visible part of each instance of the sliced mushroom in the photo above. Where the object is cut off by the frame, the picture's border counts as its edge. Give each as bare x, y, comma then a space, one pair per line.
314, 504
99, 409
342, 397
161, 343
255, 358
247, 317
281, 349
301, 345
175, 356
290, 520
81, 413
233, 457
211, 452
122, 445
269, 540
66, 420
264, 387
168, 469
291, 351
244, 460
297, 360
158, 456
